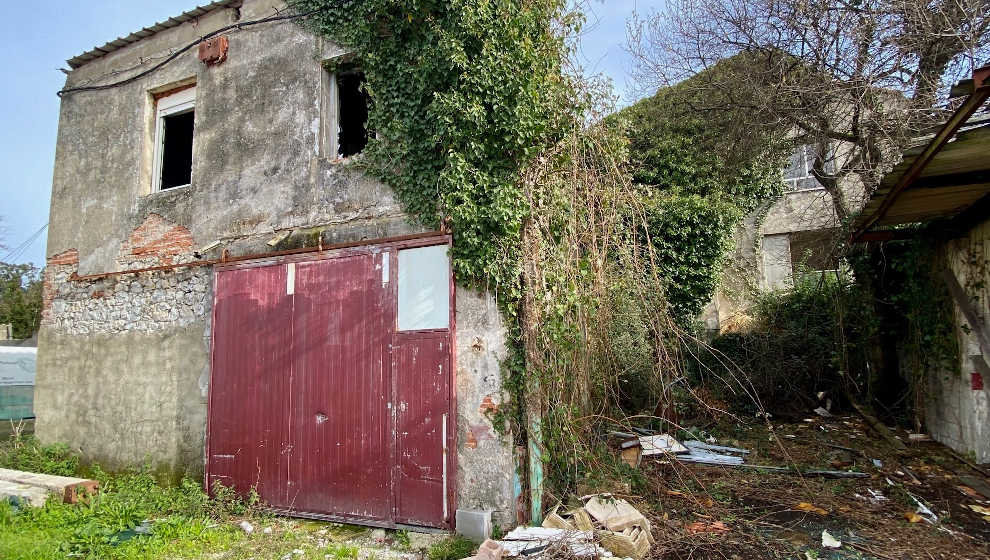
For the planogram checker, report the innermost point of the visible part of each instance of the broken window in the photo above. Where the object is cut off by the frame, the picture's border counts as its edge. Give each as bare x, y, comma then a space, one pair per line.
346, 112
797, 175
174, 119
424, 288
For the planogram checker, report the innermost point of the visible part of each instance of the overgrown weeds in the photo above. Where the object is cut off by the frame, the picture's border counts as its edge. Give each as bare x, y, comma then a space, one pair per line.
133, 515
452, 548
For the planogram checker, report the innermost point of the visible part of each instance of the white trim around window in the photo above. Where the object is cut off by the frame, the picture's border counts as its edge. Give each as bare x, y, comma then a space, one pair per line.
179, 102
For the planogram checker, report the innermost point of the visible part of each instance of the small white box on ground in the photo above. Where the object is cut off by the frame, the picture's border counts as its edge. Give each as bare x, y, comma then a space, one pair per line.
474, 524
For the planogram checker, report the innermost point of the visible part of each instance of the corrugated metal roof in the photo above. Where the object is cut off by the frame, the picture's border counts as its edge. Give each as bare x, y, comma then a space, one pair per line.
121, 42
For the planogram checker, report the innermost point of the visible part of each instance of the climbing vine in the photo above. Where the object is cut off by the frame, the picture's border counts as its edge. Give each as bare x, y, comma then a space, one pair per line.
481, 128
465, 95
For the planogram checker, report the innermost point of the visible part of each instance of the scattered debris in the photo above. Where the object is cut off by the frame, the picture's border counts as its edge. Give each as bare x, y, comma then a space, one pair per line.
632, 456
912, 517
707, 527
926, 513
531, 541
620, 528
661, 444
828, 541
490, 550
247, 527
918, 437
822, 412
977, 484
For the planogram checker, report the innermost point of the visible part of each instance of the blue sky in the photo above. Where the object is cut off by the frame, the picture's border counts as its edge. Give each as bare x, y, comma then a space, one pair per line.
39, 36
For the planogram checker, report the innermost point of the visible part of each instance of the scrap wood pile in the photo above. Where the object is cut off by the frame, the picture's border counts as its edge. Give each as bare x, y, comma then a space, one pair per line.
604, 526
634, 448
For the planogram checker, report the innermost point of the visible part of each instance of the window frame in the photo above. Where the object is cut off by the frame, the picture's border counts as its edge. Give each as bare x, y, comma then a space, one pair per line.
174, 104
793, 184
329, 146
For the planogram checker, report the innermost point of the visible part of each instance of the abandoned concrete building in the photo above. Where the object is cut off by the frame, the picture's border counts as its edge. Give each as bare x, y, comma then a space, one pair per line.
228, 296
795, 234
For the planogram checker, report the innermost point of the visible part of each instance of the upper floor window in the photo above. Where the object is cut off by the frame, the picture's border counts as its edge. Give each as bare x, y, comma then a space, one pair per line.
797, 175
345, 118
174, 119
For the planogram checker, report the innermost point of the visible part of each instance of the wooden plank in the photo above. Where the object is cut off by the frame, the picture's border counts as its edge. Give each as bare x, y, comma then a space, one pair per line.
67, 487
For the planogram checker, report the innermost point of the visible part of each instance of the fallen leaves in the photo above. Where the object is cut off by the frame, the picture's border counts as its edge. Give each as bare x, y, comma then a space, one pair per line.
707, 527
984, 511
912, 517
968, 491
805, 506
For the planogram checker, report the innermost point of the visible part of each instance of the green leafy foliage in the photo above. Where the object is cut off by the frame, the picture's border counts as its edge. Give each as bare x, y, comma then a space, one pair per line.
25, 453
464, 95
698, 189
800, 342
451, 548
20, 298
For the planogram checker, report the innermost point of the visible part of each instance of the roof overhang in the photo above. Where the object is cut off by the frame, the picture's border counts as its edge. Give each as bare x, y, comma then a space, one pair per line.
121, 42
941, 178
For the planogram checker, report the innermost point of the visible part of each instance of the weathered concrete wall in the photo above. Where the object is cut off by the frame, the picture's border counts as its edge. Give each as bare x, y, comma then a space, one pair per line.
957, 414
484, 458
123, 366
746, 271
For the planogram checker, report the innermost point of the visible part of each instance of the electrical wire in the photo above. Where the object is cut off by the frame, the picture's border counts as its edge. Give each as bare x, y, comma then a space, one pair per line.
176, 54
17, 252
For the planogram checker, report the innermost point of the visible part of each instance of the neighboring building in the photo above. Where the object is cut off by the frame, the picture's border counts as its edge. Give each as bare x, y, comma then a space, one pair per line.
228, 296
943, 182
794, 234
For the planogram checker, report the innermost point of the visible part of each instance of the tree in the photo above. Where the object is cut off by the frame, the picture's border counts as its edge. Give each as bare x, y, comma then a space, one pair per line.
20, 298
854, 79
696, 190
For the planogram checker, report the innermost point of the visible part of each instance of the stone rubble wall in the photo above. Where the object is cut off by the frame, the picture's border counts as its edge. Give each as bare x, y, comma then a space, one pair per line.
145, 302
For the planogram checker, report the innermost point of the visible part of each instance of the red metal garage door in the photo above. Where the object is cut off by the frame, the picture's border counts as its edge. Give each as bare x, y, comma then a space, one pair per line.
331, 389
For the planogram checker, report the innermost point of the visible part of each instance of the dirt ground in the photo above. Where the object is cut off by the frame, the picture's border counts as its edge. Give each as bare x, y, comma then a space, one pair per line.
721, 512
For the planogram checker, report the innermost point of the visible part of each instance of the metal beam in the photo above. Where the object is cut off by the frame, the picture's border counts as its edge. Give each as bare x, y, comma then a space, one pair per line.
981, 91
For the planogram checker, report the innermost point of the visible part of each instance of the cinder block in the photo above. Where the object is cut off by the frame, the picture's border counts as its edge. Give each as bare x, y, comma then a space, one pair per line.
474, 524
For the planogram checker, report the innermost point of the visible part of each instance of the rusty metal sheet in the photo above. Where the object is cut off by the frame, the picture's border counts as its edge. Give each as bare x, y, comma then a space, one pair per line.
422, 379
249, 387
308, 372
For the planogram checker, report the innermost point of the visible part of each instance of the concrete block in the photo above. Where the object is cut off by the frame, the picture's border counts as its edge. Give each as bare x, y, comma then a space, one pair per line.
474, 524
23, 493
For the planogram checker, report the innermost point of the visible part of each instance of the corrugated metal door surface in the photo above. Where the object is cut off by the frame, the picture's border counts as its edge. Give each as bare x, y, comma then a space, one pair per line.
319, 402
339, 414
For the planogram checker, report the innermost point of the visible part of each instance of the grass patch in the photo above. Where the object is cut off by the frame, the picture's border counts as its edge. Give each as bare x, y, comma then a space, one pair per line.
135, 516
452, 548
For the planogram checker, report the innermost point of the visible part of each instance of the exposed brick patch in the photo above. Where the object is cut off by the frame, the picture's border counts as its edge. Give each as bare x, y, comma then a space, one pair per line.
478, 433
156, 242
65, 257
60, 266
488, 405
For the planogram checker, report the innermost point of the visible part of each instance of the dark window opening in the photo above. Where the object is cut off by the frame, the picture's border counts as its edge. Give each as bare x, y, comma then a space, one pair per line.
352, 114
177, 150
